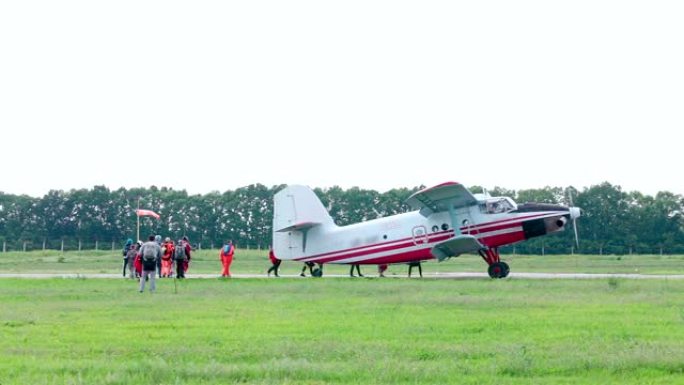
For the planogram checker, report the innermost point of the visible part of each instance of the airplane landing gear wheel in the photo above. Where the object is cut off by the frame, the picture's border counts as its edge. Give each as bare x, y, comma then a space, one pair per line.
498, 270
507, 269
317, 272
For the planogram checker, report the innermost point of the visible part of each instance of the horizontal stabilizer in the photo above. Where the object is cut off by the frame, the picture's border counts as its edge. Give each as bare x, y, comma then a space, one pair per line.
298, 208
299, 227
456, 246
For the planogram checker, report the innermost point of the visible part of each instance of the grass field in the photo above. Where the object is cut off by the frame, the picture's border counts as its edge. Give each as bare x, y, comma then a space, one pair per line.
342, 331
256, 261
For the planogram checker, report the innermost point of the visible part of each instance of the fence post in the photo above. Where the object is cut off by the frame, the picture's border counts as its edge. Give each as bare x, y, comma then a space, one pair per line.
44, 241
79, 245
24, 246
62, 245
199, 246
112, 245
4, 246
96, 245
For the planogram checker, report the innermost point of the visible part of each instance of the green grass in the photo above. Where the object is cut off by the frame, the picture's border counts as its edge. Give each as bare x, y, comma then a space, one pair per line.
342, 331
256, 261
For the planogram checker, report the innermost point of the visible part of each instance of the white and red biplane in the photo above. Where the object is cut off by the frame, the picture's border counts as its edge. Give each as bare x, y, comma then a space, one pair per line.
448, 222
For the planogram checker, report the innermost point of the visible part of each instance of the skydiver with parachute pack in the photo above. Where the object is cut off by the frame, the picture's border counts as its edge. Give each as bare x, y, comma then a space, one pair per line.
150, 252
182, 257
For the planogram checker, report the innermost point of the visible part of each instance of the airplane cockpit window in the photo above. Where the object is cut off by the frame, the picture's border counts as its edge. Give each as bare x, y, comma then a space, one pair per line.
497, 206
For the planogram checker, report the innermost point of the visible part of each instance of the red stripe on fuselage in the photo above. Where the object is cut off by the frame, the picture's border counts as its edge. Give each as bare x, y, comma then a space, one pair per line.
430, 238
518, 220
503, 239
493, 228
361, 253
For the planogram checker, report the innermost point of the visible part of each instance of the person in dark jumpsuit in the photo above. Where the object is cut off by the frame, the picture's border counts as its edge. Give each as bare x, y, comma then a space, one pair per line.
358, 270
310, 265
413, 264
126, 248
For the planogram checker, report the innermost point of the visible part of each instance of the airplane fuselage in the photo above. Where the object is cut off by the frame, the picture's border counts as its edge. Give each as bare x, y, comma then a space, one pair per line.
410, 237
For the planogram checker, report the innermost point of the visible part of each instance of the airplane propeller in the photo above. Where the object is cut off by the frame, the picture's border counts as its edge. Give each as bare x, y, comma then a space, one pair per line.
574, 214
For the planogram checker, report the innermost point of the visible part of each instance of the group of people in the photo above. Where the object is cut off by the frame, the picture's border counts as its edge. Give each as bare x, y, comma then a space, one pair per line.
156, 258
275, 264
383, 267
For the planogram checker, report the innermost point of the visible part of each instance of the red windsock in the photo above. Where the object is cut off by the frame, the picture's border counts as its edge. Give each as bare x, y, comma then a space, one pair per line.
147, 213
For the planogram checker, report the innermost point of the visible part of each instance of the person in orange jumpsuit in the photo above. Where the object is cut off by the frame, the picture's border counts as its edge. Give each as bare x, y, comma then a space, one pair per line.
226, 255
168, 248
381, 270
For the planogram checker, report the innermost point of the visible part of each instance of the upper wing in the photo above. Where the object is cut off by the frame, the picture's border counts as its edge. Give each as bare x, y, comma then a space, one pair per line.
456, 246
438, 198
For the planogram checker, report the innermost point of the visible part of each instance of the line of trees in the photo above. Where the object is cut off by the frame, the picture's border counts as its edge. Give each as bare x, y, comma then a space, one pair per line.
613, 221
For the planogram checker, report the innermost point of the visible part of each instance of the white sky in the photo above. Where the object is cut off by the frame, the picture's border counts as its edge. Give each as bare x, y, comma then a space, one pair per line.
376, 94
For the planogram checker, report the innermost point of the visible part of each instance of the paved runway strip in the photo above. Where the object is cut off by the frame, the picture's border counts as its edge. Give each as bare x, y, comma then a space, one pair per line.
433, 275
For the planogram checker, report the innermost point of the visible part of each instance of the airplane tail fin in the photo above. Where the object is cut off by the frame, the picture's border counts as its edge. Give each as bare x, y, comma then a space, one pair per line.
296, 210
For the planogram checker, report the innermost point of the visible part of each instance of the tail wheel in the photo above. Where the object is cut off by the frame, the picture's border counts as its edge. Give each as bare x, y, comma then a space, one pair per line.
317, 272
498, 270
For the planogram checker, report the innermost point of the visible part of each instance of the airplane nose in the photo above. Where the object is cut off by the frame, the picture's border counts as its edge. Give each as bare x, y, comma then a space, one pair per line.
575, 212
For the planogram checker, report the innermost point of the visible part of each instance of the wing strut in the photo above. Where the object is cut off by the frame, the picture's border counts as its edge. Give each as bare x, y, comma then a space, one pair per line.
454, 220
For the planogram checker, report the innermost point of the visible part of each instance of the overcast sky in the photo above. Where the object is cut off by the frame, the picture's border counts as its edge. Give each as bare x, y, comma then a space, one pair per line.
215, 95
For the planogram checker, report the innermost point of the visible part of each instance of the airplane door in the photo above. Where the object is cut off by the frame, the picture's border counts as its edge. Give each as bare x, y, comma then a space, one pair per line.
420, 235
463, 222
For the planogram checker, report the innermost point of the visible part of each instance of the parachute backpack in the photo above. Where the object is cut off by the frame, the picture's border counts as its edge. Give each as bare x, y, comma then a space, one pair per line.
149, 254
179, 253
